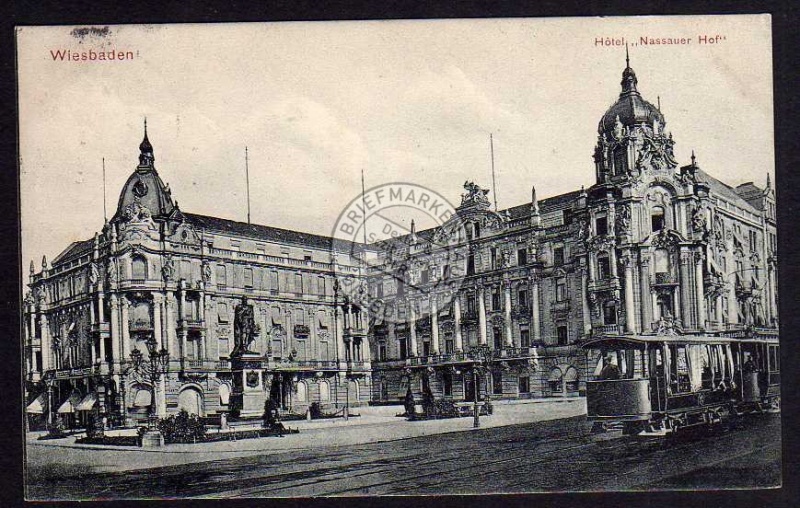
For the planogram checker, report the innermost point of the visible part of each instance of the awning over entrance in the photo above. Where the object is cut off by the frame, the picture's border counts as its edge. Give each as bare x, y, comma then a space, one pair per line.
87, 403
68, 405
37, 406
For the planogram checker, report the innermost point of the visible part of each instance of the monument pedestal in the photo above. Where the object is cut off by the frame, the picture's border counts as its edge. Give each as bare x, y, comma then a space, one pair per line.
249, 395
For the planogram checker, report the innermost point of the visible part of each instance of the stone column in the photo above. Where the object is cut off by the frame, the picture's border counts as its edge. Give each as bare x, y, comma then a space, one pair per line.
340, 351
700, 293
718, 308
773, 291
47, 346
630, 312
646, 296
125, 305
481, 316
586, 311
733, 305
654, 300
169, 327
412, 329
612, 260
535, 324
158, 325
115, 335
509, 338
101, 307
457, 322
434, 326
687, 289
591, 259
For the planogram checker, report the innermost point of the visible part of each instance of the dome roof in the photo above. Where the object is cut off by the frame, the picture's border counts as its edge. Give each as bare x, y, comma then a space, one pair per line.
630, 107
144, 188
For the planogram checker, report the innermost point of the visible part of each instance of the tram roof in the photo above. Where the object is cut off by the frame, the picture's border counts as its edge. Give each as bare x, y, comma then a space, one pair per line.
671, 339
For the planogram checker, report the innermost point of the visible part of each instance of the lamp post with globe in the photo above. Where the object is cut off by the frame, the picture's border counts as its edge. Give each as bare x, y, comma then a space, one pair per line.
481, 356
151, 369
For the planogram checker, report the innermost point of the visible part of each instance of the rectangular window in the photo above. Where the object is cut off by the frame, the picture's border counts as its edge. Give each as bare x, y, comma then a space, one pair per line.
426, 348
307, 255
321, 286
562, 335
561, 290
523, 298
601, 226
446, 272
222, 279
522, 256
425, 276
753, 240
298, 283
403, 348
471, 264
603, 268
382, 352
558, 256
471, 304
524, 384
273, 281
497, 382
524, 338
493, 258
449, 346
497, 333
379, 289
496, 299
236, 246
248, 277
447, 381
222, 312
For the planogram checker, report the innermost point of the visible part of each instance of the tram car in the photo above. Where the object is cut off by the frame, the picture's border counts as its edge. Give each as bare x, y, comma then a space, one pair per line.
663, 384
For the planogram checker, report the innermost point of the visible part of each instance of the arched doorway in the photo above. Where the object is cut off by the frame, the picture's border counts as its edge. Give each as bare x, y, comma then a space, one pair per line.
191, 400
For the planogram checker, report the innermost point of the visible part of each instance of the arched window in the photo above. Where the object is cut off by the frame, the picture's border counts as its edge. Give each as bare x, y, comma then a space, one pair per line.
324, 391
657, 218
224, 394
191, 400
302, 391
138, 268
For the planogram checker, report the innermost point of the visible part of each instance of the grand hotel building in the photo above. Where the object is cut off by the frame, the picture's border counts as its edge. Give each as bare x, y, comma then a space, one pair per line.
651, 248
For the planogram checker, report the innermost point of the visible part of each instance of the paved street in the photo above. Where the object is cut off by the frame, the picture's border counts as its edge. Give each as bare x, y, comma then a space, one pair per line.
553, 455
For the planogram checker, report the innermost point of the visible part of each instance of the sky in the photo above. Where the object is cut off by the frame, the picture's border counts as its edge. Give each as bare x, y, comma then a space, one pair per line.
315, 103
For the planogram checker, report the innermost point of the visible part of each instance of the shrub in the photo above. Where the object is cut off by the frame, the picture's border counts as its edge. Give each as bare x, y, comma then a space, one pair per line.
182, 428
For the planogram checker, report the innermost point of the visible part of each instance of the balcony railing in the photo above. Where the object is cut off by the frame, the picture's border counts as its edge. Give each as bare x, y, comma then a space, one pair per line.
663, 279
606, 329
101, 327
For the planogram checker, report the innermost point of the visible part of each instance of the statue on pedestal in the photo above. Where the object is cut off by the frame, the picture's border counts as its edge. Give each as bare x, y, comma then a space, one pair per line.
244, 328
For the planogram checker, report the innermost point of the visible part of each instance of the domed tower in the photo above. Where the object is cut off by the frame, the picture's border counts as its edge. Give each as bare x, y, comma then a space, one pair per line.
631, 136
144, 195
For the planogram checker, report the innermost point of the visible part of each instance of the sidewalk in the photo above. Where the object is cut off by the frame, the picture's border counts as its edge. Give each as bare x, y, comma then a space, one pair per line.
376, 424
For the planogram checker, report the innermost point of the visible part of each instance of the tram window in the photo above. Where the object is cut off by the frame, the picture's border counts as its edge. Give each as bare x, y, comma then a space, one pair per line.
679, 372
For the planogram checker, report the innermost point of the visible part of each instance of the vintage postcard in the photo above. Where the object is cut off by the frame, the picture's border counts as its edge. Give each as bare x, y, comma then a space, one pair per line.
386, 258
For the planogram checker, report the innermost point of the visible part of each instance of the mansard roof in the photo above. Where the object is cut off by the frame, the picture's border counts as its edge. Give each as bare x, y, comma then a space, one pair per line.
74, 251
725, 190
259, 232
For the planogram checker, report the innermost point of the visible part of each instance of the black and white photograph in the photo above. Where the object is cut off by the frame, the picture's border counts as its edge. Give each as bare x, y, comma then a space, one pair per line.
399, 258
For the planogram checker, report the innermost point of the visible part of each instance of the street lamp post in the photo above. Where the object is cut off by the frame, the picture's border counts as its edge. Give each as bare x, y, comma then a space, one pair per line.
481, 356
151, 368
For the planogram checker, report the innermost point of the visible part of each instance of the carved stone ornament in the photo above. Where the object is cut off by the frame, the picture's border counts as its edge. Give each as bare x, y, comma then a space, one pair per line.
168, 270
699, 223
41, 295
136, 212
623, 219
206, 271
111, 271
29, 300
665, 238
94, 273
656, 153
252, 379
474, 195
